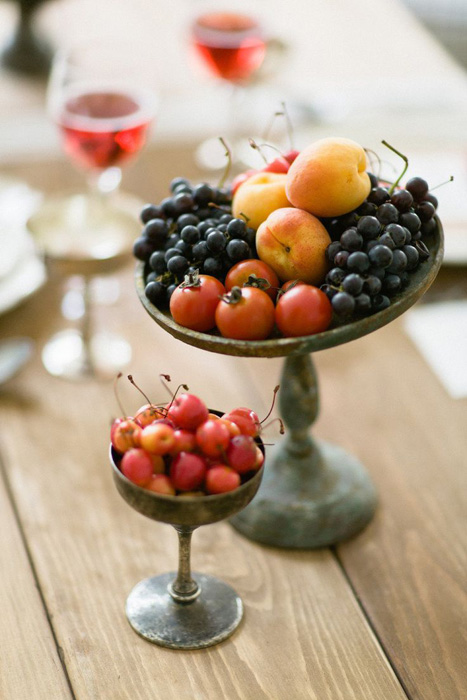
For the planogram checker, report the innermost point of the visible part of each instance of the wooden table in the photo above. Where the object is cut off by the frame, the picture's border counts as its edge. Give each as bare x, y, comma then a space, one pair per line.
381, 617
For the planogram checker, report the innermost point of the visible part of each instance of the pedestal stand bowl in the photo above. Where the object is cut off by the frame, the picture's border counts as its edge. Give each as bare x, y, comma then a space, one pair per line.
313, 494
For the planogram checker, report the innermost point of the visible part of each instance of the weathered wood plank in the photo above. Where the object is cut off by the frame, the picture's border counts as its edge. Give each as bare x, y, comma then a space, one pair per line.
30, 666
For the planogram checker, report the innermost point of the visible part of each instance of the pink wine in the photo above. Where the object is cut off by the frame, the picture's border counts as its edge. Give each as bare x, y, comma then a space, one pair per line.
103, 128
230, 44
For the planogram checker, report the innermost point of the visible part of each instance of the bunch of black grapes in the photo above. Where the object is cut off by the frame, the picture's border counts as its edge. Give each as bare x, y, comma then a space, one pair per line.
192, 229
376, 247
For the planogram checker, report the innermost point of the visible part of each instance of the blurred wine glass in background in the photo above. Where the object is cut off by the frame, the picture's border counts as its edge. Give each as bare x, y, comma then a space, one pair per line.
232, 47
102, 96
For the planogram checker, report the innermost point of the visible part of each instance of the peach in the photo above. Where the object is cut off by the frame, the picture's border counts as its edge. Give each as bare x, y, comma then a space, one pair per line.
258, 196
329, 178
293, 242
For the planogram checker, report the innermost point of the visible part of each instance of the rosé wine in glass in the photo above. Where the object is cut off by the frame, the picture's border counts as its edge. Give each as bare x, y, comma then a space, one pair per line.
103, 128
230, 44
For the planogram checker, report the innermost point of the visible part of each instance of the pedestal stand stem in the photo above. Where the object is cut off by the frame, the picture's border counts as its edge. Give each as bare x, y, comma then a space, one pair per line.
313, 494
299, 402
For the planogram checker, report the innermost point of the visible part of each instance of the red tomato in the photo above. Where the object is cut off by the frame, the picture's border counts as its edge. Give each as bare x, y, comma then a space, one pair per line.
193, 305
303, 310
248, 314
238, 275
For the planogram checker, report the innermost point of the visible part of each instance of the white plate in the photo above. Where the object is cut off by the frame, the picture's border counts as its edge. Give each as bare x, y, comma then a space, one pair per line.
21, 271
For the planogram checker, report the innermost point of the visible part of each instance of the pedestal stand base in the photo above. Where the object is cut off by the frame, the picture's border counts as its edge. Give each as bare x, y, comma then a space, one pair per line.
327, 502
208, 620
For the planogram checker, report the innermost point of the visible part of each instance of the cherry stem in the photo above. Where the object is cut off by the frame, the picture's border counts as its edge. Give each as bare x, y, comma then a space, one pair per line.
255, 146
369, 151
228, 154
289, 126
404, 158
442, 183
132, 381
120, 405
274, 420
276, 389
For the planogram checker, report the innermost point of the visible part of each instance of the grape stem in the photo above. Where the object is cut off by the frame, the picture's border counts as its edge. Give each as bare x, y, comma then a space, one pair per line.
404, 158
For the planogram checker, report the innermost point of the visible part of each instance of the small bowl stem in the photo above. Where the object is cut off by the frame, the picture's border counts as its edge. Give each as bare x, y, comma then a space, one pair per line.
184, 589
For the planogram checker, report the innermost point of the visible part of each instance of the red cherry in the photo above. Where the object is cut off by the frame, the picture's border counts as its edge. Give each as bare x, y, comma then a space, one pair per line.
125, 434
278, 165
291, 155
212, 438
187, 471
248, 412
147, 414
221, 479
241, 453
160, 483
185, 441
158, 438
136, 465
187, 411
247, 425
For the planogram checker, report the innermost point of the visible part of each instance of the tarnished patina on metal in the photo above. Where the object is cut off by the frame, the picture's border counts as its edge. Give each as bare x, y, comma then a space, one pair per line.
182, 610
313, 493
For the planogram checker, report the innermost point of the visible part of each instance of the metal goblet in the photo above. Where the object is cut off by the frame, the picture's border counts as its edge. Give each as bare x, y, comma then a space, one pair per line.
180, 610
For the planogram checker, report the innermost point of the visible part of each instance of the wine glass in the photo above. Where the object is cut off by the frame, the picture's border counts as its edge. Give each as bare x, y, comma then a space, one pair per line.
178, 610
232, 47
103, 99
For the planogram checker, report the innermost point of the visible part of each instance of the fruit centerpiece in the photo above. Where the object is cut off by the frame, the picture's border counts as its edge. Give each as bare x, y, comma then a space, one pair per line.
307, 253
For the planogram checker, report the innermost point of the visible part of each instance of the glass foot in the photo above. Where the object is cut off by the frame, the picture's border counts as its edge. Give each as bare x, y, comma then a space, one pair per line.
309, 501
208, 620
66, 355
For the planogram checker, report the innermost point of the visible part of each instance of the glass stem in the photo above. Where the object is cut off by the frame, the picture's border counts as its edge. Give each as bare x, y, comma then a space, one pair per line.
184, 589
86, 322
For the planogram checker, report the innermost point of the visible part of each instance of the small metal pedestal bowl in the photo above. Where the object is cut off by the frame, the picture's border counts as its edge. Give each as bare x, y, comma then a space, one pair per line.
177, 610
314, 494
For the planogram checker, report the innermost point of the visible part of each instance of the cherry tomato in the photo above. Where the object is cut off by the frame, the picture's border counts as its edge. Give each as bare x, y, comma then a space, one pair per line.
303, 310
193, 305
238, 275
245, 314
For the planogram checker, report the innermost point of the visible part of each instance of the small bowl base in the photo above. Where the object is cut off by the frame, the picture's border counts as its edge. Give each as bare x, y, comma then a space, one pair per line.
209, 619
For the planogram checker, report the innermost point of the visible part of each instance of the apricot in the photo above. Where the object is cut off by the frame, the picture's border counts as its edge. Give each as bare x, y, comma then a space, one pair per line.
329, 178
293, 243
258, 196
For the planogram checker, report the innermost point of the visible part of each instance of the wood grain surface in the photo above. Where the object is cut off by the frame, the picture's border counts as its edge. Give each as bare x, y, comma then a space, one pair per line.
304, 634
380, 618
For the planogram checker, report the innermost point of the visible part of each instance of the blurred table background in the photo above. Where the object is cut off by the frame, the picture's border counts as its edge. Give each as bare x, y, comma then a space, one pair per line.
381, 617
